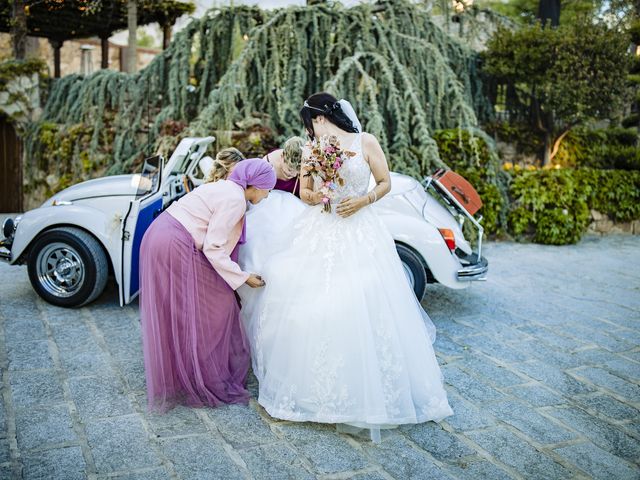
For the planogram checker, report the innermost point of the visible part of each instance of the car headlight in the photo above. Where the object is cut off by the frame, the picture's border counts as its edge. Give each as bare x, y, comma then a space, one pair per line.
9, 227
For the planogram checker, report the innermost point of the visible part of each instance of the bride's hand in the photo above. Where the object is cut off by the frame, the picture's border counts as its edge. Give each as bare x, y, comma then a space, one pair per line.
255, 281
349, 206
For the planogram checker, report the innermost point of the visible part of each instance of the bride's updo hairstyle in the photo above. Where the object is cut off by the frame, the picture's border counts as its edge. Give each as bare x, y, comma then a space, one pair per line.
328, 106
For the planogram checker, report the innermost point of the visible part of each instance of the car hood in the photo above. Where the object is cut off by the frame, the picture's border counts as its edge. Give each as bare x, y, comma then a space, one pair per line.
114, 186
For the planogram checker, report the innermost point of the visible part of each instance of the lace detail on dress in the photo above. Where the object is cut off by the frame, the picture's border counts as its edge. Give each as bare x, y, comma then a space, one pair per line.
390, 368
356, 174
329, 398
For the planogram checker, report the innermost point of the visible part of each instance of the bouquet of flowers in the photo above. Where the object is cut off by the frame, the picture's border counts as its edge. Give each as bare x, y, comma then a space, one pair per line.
324, 163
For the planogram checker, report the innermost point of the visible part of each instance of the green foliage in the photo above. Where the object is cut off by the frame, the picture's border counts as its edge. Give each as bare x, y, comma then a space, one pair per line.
549, 205
578, 71
553, 206
402, 73
11, 69
518, 134
613, 148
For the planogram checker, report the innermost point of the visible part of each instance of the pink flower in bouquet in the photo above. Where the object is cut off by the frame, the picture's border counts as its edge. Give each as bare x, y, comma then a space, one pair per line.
325, 200
337, 164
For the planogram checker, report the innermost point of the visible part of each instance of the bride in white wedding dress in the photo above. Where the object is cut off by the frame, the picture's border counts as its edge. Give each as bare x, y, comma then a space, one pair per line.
337, 334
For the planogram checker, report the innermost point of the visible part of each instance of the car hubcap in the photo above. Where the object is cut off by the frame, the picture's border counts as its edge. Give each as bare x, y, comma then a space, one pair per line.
60, 270
409, 275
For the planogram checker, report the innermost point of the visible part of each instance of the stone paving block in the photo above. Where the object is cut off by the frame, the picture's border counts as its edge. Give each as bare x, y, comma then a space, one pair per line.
321, 444
560, 342
494, 348
20, 327
598, 463
213, 462
6, 471
43, 426
367, 476
132, 370
603, 434
520, 455
99, 397
120, 443
478, 470
275, 461
65, 463
627, 334
125, 345
468, 386
441, 444
456, 329
177, 421
3, 420
444, 345
536, 395
74, 337
35, 388
30, 356
402, 461
529, 422
466, 416
82, 363
547, 354
241, 425
5, 453
147, 474
602, 378
608, 406
623, 368
490, 371
601, 339
554, 378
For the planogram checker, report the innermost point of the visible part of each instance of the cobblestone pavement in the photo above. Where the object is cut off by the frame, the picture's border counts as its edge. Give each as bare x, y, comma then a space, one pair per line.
542, 366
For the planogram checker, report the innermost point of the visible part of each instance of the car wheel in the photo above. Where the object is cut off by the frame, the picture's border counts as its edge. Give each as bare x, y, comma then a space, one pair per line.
67, 267
413, 269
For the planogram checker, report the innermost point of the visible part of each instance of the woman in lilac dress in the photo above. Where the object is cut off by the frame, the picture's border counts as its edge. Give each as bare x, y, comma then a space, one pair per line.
195, 349
286, 162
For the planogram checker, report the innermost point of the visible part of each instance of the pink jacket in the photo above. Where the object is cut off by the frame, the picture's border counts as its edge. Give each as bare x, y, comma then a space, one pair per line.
213, 214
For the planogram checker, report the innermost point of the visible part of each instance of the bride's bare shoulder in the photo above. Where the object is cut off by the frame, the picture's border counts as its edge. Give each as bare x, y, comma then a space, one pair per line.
369, 140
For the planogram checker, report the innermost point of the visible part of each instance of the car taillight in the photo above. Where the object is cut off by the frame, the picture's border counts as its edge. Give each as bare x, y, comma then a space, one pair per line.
449, 239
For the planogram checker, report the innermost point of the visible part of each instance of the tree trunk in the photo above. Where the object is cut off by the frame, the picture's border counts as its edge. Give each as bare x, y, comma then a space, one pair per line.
166, 35
557, 142
56, 45
19, 29
549, 11
132, 24
104, 52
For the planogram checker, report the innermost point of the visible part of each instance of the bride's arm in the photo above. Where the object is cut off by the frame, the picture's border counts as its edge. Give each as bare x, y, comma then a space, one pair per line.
379, 167
374, 155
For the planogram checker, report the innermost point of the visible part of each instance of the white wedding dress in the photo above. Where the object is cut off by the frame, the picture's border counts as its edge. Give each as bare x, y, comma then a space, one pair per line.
337, 335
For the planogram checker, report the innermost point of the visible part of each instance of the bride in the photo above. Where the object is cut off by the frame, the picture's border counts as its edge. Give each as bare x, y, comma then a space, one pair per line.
337, 334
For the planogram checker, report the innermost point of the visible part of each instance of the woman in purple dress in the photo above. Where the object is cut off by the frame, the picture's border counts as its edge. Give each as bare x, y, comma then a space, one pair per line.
195, 349
286, 162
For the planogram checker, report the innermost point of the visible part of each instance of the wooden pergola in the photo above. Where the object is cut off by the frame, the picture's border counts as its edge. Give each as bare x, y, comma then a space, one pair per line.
61, 20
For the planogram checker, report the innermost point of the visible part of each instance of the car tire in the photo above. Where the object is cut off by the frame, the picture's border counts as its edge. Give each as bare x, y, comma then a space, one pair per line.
67, 267
414, 269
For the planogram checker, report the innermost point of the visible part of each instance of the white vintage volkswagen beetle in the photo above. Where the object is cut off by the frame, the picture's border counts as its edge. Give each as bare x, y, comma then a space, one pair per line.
77, 238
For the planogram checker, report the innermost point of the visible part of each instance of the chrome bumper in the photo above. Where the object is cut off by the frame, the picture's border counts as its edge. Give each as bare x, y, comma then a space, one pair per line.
474, 272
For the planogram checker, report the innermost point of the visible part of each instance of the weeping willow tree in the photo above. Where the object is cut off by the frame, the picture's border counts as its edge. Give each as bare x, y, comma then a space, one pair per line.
240, 66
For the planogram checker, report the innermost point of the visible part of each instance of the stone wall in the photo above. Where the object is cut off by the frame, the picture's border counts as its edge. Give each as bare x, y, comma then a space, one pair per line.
602, 224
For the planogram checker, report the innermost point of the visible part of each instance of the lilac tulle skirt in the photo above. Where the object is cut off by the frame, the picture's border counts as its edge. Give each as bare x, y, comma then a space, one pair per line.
195, 349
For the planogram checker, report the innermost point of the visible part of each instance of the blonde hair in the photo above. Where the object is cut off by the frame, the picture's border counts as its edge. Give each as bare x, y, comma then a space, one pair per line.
292, 154
225, 160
